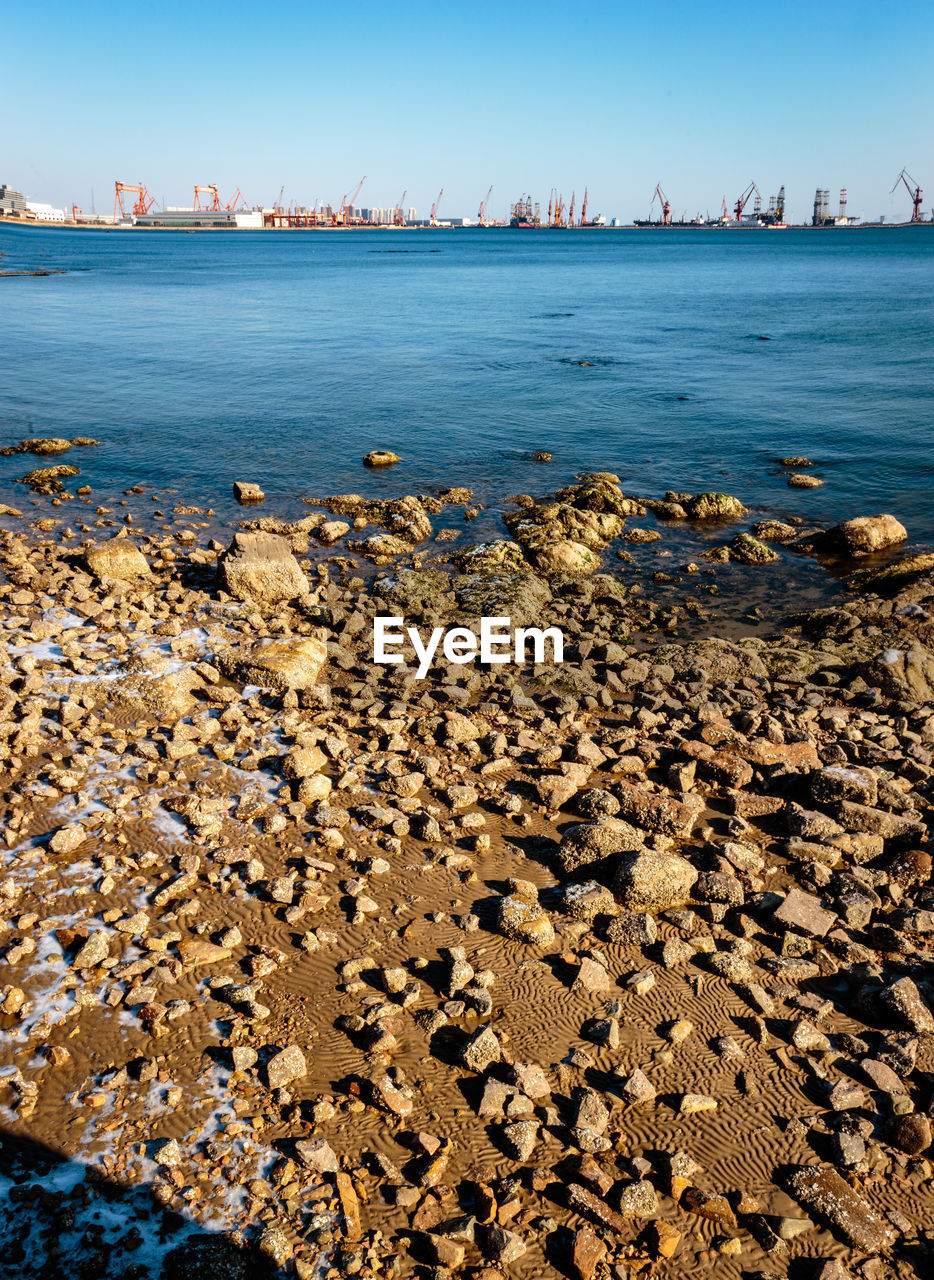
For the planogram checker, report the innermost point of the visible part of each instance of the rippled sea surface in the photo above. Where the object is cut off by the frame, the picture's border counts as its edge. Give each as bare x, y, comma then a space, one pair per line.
682, 360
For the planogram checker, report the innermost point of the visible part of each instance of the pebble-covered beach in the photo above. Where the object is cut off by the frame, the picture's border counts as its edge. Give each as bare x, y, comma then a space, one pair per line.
606, 969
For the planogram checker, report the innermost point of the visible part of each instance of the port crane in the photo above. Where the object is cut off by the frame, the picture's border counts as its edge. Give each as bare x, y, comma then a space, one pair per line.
917, 195
664, 205
238, 201
571, 210
584, 209
340, 218
481, 216
743, 200
556, 208
398, 214
143, 203
211, 190
435, 207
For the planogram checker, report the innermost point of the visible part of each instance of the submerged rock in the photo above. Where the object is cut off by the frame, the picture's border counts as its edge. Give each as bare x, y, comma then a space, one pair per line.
749, 550
46, 445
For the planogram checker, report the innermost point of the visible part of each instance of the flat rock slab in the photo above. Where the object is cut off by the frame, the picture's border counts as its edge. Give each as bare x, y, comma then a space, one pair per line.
803, 911
827, 1194
293, 663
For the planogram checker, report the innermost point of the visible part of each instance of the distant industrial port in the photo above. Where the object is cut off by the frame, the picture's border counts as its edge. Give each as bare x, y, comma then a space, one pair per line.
134, 208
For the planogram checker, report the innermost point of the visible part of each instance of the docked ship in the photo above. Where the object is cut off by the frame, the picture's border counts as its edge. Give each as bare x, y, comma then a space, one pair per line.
524, 214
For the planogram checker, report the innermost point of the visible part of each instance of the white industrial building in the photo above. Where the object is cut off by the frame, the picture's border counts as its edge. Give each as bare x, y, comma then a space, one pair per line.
45, 212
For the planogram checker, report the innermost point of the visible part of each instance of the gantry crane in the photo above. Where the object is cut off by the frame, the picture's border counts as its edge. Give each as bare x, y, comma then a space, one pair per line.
481, 216
743, 200
348, 202
435, 207
210, 190
398, 214
916, 196
143, 203
664, 205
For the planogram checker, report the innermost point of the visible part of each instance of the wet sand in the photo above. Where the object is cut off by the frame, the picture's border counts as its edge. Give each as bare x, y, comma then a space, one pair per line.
611, 969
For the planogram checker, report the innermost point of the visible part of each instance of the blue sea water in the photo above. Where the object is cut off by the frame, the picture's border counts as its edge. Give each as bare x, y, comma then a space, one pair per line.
282, 358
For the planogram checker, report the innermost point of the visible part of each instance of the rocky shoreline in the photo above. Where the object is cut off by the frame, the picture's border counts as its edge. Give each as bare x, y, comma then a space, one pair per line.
619, 968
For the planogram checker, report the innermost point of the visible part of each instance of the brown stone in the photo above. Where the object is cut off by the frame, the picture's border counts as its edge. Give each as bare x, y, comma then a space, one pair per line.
586, 1252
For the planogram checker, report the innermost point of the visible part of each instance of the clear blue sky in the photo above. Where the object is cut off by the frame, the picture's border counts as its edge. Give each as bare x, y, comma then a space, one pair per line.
702, 96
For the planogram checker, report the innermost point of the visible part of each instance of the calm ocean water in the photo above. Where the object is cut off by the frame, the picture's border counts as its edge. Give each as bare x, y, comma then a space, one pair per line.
200, 359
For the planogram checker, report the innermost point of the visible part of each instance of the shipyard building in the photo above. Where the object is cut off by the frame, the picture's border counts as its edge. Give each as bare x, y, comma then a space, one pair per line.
198, 219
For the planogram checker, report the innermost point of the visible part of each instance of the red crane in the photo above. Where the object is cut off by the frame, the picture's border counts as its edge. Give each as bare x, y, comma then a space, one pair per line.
916, 196
664, 205
143, 203
743, 200
347, 204
571, 210
238, 201
584, 209
398, 214
481, 216
435, 207
211, 190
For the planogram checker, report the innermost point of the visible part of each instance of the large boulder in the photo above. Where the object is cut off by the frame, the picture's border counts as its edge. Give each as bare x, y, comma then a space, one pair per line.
291, 663
715, 506
590, 842
118, 560
566, 556
904, 674
540, 526
863, 536
648, 880
261, 567
520, 595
